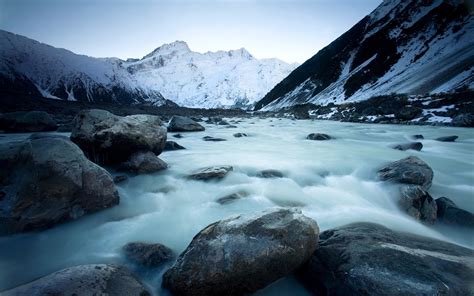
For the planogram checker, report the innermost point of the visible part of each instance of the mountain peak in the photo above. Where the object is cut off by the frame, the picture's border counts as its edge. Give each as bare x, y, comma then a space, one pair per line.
167, 48
242, 52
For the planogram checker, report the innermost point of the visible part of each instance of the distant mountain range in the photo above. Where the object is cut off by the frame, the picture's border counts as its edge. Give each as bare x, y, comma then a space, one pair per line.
171, 74
411, 47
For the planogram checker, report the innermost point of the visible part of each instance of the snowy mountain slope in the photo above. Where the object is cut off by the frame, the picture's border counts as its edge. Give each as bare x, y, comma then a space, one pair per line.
213, 79
412, 47
60, 74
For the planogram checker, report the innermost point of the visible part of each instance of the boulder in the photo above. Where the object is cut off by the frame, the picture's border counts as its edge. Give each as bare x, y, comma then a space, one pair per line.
48, 181
418, 203
212, 139
409, 170
369, 259
418, 137
447, 139
143, 163
450, 213
172, 145
81, 280
32, 121
240, 135
463, 120
406, 146
146, 254
109, 139
231, 197
270, 174
178, 136
243, 254
318, 137
184, 124
209, 173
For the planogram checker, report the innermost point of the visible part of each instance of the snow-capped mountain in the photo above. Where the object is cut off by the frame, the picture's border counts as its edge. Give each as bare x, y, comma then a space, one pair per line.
31, 67
213, 79
172, 72
411, 47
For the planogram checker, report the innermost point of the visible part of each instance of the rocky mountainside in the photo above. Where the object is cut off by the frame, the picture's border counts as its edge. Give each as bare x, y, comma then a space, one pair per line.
34, 68
213, 79
410, 47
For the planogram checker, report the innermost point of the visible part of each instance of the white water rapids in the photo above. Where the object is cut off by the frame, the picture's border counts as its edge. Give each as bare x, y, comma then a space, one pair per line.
333, 182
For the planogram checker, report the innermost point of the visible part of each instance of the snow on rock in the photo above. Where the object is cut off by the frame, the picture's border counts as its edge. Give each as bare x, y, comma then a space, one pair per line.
207, 80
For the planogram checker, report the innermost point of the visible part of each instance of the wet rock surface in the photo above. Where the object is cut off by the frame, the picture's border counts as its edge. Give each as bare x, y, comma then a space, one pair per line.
407, 146
172, 145
147, 254
93, 279
318, 137
143, 163
48, 181
184, 124
409, 170
447, 139
418, 203
240, 255
270, 174
369, 259
210, 173
449, 213
109, 139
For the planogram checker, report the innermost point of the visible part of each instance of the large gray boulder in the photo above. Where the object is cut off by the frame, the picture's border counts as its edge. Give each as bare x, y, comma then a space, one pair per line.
184, 124
48, 181
369, 259
463, 120
32, 121
409, 170
240, 255
109, 139
84, 280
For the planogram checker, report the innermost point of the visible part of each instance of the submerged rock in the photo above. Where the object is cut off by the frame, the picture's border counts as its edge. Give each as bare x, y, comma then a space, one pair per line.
146, 254
447, 139
270, 174
240, 255
232, 197
208, 173
178, 136
172, 145
418, 203
318, 137
48, 181
212, 139
184, 124
32, 121
111, 139
93, 279
143, 163
414, 146
240, 135
409, 170
450, 213
418, 137
369, 259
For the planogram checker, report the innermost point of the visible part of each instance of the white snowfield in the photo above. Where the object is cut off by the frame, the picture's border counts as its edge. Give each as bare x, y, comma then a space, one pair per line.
447, 62
190, 79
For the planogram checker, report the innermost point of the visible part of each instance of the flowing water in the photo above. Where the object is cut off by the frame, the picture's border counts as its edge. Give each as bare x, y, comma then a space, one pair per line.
332, 181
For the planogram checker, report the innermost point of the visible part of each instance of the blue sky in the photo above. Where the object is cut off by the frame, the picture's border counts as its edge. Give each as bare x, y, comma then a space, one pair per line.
291, 30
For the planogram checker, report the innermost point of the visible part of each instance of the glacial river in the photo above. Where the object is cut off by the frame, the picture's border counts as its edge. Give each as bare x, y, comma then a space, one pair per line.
332, 181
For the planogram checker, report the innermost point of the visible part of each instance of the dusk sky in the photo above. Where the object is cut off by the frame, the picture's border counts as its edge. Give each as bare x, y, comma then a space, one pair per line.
291, 30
